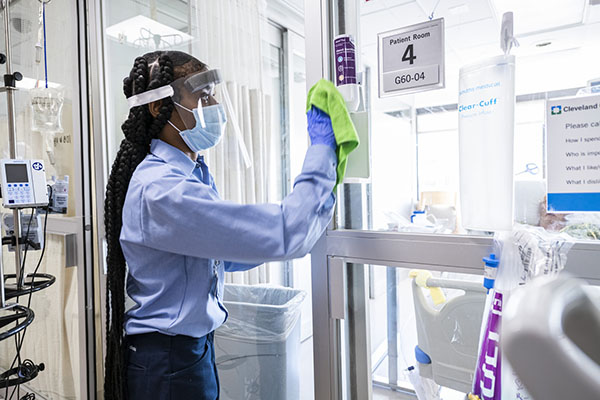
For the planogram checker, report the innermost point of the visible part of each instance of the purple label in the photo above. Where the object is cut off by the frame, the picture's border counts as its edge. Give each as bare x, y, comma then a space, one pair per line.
487, 376
345, 60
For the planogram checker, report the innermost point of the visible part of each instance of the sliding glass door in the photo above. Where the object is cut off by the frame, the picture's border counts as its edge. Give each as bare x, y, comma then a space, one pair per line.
372, 321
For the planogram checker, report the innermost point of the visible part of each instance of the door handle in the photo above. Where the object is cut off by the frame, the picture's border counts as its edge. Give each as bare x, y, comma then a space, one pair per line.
336, 268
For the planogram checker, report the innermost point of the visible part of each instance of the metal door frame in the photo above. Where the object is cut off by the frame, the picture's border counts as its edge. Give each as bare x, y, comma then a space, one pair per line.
445, 253
97, 174
87, 254
77, 231
337, 248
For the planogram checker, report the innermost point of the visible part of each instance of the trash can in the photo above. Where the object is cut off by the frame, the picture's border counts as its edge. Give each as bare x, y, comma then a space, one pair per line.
257, 349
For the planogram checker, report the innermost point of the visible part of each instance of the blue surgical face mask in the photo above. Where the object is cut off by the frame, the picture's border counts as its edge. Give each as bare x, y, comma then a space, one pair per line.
202, 138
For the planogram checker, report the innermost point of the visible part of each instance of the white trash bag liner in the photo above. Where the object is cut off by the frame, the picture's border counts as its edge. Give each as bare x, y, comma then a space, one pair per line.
260, 313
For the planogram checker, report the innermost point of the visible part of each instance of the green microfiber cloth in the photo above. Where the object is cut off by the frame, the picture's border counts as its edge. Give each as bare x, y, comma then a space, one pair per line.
328, 99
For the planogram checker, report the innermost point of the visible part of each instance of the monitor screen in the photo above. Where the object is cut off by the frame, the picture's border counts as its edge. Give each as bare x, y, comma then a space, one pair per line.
16, 173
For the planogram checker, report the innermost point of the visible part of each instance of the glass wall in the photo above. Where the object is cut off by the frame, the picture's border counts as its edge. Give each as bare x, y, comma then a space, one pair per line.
55, 338
402, 322
198, 28
415, 137
375, 324
260, 50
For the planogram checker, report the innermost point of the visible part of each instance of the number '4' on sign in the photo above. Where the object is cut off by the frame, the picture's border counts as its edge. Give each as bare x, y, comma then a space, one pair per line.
409, 54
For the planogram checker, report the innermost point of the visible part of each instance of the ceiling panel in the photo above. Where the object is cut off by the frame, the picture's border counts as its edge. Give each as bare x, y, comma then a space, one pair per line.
539, 15
476, 53
389, 19
468, 22
372, 6
456, 12
373, 24
407, 14
473, 34
554, 71
560, 40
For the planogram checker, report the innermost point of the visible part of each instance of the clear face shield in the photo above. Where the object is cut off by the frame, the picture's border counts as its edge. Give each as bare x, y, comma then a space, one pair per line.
204, 110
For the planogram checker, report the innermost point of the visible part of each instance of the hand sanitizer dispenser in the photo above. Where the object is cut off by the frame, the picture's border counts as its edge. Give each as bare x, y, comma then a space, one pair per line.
347, 78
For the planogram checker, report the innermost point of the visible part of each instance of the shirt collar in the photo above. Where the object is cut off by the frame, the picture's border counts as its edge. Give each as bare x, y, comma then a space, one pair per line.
173, 156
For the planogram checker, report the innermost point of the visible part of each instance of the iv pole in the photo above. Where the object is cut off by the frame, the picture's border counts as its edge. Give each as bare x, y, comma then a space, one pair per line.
9, 82
15, 376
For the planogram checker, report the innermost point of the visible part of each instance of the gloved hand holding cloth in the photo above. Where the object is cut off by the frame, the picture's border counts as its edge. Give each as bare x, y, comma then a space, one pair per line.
327, 114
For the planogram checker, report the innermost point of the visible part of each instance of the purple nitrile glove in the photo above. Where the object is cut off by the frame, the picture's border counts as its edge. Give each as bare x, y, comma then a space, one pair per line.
319, 128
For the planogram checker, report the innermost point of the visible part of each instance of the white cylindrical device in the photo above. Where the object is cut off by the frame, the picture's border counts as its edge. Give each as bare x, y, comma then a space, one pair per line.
486, 112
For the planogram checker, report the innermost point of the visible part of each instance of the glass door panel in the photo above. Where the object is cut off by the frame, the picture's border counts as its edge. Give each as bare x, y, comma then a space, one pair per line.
369, 314
53, 338
415, 163
403, 325
58, 335
265, 62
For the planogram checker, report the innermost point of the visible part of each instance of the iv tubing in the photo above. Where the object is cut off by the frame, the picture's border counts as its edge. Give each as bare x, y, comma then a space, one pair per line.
45, 57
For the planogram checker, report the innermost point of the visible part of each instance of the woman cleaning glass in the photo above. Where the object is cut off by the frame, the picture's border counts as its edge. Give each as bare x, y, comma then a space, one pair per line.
165, 220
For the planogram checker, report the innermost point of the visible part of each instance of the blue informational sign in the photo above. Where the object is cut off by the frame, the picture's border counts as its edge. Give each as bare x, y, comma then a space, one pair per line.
573, 131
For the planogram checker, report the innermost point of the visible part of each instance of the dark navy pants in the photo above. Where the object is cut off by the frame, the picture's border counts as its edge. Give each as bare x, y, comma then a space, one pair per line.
171, 367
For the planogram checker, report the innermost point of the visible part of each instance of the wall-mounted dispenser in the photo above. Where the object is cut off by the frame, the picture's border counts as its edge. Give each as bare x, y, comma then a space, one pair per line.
347, 77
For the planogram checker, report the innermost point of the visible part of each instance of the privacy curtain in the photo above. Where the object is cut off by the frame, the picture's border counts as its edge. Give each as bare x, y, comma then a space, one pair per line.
228, 35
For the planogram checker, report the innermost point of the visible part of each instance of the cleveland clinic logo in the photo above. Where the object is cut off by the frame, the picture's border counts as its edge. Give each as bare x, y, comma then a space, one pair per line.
556, 110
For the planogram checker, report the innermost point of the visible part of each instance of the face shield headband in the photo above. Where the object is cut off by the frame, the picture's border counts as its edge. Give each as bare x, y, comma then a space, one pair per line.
196, 92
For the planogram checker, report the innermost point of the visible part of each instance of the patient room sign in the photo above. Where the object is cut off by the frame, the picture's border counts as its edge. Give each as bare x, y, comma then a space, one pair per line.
573, 131
411, 59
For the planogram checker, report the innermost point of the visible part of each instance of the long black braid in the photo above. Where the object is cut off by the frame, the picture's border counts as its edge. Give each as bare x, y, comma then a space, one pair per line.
149, 71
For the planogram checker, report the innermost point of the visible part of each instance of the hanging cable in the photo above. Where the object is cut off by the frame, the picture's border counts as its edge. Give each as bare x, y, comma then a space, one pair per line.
26, 240
434, 9
22, 268
19, 344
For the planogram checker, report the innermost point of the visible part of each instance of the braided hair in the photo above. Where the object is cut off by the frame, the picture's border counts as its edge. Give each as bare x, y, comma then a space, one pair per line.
150, 71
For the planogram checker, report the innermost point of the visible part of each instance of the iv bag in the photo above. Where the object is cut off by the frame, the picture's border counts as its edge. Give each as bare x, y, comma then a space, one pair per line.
46, 115
46, 106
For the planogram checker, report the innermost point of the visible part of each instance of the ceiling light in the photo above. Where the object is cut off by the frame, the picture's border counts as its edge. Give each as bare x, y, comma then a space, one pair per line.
144, 32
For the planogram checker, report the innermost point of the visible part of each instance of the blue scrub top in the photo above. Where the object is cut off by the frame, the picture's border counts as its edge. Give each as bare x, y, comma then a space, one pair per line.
177, 234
